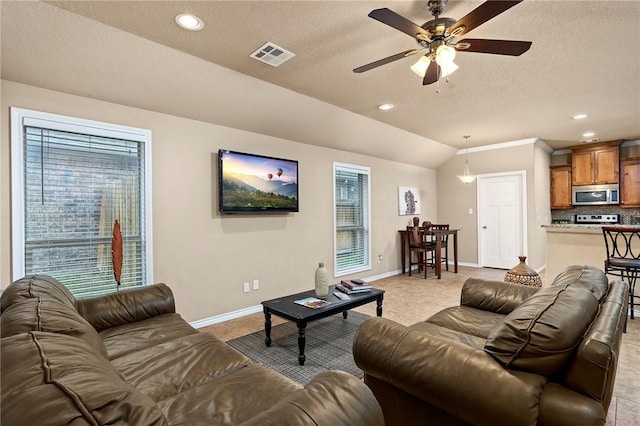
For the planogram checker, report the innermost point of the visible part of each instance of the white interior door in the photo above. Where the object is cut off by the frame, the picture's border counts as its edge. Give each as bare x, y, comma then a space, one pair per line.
501, 222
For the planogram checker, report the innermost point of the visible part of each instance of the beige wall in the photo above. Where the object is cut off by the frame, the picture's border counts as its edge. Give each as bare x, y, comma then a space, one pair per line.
456, 198
541, 209
203, 256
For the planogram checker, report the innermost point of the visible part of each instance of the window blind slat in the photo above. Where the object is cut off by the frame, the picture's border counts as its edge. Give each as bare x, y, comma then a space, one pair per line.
352, 234
76, 185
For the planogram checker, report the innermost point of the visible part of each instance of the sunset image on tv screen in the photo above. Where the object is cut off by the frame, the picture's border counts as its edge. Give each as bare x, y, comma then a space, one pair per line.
252, 182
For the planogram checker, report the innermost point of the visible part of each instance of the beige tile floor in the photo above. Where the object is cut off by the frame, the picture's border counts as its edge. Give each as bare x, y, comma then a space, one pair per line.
408, 300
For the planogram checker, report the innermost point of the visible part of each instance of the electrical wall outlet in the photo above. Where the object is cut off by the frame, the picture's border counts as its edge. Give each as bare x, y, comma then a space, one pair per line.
246, 287
379, 258
256, 284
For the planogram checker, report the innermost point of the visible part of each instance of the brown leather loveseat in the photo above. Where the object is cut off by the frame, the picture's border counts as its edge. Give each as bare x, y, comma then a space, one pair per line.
128, 359
508, 355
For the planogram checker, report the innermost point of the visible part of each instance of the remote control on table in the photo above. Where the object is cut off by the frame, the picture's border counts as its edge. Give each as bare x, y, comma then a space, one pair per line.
341, 296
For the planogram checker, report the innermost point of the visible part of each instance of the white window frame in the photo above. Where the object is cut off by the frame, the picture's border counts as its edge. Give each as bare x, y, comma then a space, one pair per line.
367, 220
23, 117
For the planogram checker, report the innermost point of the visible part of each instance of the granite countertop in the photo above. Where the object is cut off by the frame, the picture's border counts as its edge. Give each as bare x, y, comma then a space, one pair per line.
579, 227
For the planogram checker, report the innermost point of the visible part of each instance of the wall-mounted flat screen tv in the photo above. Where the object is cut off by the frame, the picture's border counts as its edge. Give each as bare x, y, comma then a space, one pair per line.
256, 183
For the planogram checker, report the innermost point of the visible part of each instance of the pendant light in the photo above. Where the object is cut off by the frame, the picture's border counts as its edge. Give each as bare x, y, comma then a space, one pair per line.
466, 175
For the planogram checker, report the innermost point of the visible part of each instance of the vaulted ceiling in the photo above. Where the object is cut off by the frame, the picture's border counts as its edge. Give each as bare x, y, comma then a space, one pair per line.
585, 57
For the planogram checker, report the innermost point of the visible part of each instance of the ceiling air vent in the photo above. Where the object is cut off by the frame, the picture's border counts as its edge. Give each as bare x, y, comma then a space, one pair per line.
272, 54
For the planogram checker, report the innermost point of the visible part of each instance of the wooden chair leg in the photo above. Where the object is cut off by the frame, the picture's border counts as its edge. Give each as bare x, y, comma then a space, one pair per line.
446, 256
426, 266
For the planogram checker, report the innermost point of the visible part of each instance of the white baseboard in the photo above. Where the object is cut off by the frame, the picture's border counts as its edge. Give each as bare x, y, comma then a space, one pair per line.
381, 276
226, 317
258, 308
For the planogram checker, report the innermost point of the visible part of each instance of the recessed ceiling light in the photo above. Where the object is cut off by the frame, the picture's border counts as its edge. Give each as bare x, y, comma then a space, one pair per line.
385, 107
189, 22
579, 116
588, 134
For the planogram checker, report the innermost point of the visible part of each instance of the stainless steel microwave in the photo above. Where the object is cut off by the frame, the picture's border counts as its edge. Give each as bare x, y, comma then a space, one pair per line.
594, 195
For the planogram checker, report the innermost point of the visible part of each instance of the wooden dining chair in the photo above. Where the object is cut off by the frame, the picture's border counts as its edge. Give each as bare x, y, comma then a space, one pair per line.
422, 248
444, 243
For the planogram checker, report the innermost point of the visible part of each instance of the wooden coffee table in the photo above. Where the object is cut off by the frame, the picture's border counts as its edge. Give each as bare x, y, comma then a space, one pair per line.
301, 315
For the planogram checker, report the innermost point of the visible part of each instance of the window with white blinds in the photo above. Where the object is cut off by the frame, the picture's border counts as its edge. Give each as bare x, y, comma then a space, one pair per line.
351, 219
72, 179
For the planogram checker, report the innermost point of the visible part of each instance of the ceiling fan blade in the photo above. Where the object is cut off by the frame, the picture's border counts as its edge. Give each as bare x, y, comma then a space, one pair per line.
387, 60
497, 47
480, 15
400, 23
433, 74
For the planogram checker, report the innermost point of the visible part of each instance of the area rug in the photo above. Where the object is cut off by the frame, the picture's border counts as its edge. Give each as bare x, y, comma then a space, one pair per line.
328, 347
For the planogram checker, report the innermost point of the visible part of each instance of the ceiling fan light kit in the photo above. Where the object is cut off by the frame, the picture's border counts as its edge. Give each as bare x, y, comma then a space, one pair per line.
445, 54
421, 66
438, 37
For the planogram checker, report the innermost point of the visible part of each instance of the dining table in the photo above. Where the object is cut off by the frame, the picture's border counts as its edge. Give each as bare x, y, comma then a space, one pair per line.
438, 234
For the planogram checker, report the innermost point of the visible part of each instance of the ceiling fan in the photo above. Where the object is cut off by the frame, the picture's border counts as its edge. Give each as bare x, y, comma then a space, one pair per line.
438, 38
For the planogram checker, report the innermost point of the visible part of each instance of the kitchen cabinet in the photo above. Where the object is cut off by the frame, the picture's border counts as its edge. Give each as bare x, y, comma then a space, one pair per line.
595, 164
560, 187
630, 182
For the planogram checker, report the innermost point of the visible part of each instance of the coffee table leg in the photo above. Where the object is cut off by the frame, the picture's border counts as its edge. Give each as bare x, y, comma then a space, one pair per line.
345, 314
379, 306
267, 327
302, 340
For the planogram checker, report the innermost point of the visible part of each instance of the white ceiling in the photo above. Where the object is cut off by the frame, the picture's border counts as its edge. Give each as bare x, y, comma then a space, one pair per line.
585, 57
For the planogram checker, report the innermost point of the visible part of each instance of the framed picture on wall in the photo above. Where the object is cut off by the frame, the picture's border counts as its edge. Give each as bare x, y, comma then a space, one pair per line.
408, 200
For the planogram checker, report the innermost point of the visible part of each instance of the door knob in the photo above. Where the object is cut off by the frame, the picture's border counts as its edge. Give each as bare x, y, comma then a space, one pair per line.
484, 227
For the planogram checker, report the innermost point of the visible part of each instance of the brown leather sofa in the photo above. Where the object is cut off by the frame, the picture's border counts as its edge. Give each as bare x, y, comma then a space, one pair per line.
128, 359
508, 355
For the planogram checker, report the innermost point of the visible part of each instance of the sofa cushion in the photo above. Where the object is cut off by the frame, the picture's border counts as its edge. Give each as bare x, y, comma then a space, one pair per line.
586, 276
32, 286
541, 334
494, 296
51, 316
230, 399
475, 322
175, 366
127, 306
136, 336
62, 380
450, 334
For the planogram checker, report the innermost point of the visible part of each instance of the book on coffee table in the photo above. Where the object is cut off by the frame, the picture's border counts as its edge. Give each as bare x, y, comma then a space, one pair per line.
355, 284
312, 302
348, 290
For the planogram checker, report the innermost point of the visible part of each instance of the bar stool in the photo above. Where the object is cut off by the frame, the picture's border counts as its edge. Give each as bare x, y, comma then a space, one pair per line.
444, 243
623, 256
422, 248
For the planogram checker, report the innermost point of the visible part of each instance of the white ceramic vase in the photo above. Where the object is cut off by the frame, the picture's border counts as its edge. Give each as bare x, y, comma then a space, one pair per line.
322, 281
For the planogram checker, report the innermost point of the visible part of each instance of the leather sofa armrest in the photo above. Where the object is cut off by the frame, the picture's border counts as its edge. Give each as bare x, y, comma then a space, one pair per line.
127, 306
494, 296
333, 398
560, 405
452, 376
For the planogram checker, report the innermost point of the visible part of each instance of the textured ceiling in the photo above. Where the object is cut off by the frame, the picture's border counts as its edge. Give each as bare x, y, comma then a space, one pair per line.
585, 57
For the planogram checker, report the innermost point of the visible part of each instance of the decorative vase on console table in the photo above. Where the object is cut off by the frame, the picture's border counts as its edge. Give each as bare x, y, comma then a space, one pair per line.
322, 281
523, 274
